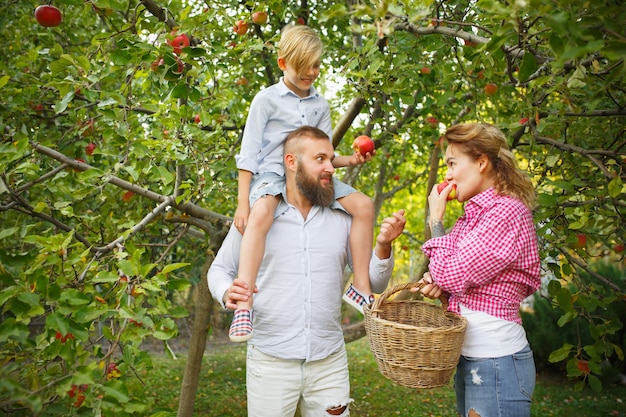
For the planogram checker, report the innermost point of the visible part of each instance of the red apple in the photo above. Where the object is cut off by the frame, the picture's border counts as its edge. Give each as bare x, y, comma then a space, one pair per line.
618, 248
48, 16
363, 145
36, 107
241, 27
90, 148
79, 400
523, 120
242, 81
300, 21
259, 18
431, 120
89, 127
179, 42
180, 67
581, 241
196, 118
490, 89
159, 62
425, 70
127, 196
452, 194
583, 366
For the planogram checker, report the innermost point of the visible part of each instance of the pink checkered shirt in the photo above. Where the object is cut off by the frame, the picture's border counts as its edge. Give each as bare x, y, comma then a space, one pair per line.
489, 262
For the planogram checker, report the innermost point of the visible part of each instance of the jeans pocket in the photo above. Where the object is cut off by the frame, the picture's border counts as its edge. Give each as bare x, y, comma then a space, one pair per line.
524, 363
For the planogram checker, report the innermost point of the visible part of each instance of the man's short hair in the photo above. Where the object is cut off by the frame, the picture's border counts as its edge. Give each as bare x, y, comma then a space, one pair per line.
308, 132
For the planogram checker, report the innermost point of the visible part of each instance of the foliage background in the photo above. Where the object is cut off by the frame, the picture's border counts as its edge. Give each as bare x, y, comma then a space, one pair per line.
102, 249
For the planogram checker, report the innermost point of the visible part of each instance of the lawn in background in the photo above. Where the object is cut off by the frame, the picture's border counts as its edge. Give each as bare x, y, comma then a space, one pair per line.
222, 390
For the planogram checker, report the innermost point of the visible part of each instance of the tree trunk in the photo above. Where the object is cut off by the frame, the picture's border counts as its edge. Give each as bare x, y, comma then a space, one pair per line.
200, 329
353, 332
199, 332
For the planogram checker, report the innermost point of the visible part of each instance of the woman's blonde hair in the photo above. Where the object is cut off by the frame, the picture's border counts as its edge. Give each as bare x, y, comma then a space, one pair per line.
300, 47
477, 139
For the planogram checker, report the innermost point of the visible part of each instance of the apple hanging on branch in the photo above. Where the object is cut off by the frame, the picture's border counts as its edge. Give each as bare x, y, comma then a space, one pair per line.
452, 194
240, 27
48, 16
179, 42
259, 18
363, 145
490, 89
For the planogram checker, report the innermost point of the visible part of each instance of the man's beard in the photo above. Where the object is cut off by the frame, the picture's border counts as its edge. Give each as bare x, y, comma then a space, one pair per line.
312, 189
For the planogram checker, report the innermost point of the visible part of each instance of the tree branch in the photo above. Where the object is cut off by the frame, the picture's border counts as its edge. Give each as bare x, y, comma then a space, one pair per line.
189, 208
591, 272
573, 148
136, 228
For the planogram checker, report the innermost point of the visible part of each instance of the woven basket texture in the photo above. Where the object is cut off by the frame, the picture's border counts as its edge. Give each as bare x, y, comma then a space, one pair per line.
416, 343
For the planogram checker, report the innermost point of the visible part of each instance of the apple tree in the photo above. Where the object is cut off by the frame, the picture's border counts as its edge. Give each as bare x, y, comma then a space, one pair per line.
120, 126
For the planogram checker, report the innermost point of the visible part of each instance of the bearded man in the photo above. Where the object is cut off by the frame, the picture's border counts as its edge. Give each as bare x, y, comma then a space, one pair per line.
297, 355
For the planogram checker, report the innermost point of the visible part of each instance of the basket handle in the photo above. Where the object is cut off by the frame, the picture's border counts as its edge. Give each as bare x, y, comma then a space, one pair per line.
400, 287
396, 288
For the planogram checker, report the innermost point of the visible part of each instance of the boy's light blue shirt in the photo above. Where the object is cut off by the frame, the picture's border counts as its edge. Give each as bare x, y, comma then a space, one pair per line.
274, 113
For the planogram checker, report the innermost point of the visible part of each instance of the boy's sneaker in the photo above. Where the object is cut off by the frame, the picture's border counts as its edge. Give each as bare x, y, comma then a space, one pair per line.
241, 327
356, 299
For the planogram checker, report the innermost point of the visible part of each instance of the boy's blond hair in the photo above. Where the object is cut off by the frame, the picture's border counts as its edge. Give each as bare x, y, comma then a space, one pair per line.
300, 47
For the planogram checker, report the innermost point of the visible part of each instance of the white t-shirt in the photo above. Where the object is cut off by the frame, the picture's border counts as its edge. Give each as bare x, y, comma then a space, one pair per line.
487, 336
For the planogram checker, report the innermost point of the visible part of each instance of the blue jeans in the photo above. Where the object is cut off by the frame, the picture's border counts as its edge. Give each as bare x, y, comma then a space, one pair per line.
496, 387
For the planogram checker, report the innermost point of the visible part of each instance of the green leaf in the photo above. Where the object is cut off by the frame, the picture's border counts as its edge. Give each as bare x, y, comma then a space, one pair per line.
10, 329
180, 91
4, 80
527, 67
116, 391
560, 354
62, 105
56, 321
615, 187
566, 318
74, 297
105, 276
174, 267
557, 44
564, 299
9, 231
595, 383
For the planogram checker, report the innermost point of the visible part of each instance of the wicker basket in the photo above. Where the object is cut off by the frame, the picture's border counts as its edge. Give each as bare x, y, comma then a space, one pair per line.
416, 344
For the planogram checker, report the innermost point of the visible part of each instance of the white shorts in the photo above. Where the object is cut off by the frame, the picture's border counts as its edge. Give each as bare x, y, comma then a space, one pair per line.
276, 386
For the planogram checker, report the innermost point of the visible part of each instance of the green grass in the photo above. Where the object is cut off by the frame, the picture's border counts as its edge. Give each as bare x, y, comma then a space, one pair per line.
222, 390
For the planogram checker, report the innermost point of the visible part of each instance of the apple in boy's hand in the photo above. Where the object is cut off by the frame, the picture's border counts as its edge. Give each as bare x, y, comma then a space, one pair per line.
363, 145
452, 194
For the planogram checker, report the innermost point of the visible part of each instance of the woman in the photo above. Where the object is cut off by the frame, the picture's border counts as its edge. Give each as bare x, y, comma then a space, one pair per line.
487, 265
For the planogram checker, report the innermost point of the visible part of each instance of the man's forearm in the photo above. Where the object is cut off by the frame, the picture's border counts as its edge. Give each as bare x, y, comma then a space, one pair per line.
383, 250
